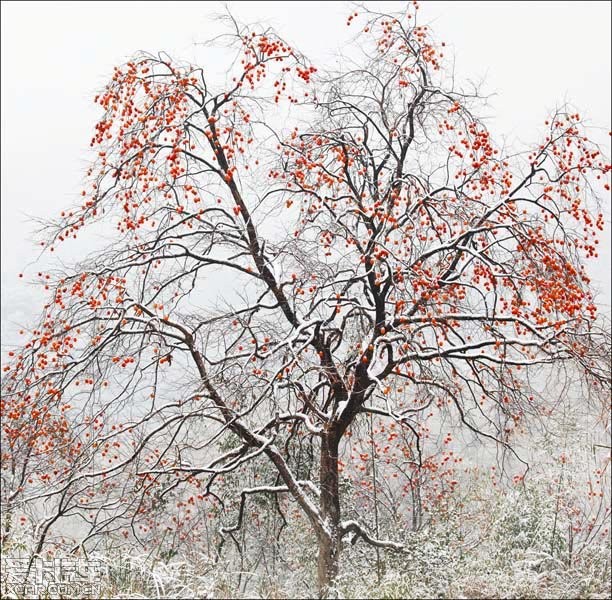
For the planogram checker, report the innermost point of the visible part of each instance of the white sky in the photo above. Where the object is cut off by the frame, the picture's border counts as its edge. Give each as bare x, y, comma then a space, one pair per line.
57, 55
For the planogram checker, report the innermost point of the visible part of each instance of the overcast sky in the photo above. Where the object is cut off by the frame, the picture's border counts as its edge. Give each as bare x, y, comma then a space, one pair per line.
57, 55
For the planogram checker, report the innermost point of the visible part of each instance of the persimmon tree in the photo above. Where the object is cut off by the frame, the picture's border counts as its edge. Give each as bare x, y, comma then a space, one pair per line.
268, 288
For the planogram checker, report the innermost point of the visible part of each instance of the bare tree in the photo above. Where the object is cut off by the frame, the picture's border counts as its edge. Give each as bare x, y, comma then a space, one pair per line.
268, 287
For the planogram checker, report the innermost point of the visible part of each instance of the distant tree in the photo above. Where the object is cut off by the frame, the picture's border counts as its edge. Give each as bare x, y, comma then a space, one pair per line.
268, 287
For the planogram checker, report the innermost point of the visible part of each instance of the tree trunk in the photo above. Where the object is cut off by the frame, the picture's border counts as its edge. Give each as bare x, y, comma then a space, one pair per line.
329, 541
